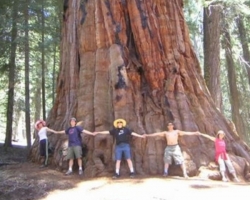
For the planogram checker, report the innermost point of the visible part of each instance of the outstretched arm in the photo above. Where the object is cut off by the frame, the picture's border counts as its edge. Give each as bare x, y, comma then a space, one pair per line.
156, 134
208, 136
50, 130
88, 132
137, 135
101, 132
60, 132
188, 133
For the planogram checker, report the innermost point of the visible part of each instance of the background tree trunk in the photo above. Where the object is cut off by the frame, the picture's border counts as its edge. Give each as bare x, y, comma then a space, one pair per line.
133, 59
43, 62
211, 24
236, 117
27, 79
244, 44
12, 74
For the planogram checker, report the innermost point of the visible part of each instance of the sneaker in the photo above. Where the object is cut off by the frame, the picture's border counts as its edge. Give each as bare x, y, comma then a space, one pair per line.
80, 172
43, 166
224, 179
236, 180
185, 176
165, 174
68, 172
116, 175
132, 175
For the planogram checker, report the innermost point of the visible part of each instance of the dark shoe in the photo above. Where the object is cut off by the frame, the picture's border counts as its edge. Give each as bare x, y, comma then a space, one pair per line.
80, 172
132, 175
68, 172
43, 166
116, 175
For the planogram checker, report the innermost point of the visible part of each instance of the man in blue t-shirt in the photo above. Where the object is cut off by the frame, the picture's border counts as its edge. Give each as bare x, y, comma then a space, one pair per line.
121, 135
74, 144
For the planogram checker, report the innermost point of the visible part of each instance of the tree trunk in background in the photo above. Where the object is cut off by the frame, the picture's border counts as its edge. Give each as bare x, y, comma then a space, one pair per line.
12, 74
234, 94
54, 73
27, 80
37, 96
244, 44
43, 62
211, 25
133, 59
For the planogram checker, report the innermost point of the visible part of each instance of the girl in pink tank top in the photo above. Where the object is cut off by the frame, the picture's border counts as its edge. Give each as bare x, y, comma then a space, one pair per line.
221, 155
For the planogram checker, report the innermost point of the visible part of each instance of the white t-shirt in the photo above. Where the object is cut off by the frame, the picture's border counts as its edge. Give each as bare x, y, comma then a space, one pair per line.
42, 133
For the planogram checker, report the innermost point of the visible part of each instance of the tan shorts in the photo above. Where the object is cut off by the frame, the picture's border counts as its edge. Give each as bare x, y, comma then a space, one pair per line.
173, 152
74, 152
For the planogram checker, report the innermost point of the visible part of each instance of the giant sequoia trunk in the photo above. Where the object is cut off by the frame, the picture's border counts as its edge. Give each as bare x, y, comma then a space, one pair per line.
133, 59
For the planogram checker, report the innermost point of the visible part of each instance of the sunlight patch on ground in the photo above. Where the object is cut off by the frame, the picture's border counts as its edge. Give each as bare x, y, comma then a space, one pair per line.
147, 189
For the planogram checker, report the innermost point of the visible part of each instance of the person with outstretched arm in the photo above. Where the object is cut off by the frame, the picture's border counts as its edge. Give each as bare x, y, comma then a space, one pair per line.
42, 129
221, 155
121, 133
173, 150
74, 144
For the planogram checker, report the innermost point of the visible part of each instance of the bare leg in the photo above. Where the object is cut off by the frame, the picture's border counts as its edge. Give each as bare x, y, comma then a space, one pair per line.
117, 166
166, 169
184, 171
71, 162
79, 160
130, 165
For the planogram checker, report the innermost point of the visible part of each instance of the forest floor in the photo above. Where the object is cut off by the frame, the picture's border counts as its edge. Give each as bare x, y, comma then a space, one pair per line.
21, 179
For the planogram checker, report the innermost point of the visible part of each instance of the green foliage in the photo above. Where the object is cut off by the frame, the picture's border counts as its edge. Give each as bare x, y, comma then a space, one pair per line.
52, 11
231, 10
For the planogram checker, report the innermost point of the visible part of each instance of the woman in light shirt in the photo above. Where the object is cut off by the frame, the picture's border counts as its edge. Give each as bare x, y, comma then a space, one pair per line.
40, 125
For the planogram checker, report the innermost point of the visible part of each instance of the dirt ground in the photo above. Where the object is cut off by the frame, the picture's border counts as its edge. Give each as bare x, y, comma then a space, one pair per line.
23, 180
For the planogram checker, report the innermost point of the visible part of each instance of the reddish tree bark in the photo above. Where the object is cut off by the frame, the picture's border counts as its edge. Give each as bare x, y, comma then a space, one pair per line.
133, 59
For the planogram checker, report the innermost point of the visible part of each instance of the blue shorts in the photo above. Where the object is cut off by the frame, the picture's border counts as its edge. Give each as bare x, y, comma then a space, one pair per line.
122, 148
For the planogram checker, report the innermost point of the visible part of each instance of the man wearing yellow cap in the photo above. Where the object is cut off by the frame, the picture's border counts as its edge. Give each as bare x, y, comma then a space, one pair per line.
121, 134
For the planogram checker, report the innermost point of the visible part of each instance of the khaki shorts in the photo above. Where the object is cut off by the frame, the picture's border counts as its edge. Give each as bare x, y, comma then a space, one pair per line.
173, 152
74, 152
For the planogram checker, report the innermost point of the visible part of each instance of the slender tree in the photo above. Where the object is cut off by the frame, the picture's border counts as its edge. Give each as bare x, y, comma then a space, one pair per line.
211, 25
12, 73
234, 93
244, 44
43, 61
27, 71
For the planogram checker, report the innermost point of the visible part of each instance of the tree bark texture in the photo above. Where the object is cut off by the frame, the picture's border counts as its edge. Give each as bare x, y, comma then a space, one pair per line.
211, 24
133, 59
